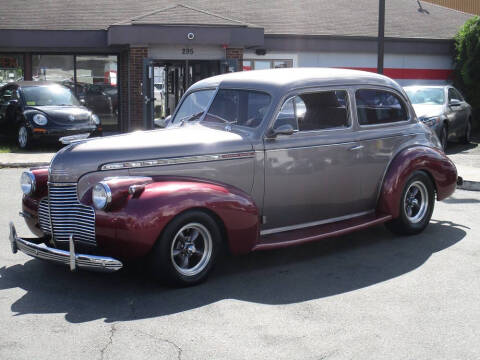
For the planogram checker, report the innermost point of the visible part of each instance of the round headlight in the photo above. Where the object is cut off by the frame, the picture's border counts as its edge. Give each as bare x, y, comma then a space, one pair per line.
40, 119
27, 182
95, 119
101, 196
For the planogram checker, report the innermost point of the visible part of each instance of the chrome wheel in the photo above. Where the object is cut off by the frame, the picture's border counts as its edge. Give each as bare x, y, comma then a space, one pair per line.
191, 249
415, 202
22, 136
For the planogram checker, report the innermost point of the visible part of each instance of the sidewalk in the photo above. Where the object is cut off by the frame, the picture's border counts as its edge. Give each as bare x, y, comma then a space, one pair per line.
17, 160
470, 176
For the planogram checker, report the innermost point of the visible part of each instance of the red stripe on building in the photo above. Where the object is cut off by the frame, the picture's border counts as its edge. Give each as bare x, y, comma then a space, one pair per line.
399, 73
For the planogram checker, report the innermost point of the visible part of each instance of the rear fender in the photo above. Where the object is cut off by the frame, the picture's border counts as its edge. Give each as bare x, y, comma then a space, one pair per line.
433, 161
141, 219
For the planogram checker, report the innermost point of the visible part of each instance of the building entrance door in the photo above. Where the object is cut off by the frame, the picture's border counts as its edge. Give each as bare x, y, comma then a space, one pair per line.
168, 82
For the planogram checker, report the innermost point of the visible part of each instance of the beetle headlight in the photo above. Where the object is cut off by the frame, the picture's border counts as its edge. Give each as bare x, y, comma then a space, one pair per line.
101, 196
95, 119
40, 119
27, 182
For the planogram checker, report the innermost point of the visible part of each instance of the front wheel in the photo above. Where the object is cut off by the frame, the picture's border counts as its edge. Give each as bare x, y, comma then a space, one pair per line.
468, 131
23, 137
416, 205
187, 249
444, 137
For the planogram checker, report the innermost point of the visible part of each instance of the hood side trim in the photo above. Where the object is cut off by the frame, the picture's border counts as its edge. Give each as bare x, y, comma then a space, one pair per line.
177, 160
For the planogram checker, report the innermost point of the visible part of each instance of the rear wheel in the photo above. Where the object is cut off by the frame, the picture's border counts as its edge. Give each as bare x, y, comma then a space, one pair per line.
416, 205
468, 131
187, 249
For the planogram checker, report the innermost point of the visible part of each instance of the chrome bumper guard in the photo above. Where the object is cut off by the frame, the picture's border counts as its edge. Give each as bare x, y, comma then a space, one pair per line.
81, 261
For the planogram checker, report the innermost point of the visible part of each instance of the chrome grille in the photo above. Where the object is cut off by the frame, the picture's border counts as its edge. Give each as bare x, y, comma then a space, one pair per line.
44, 217
68, 215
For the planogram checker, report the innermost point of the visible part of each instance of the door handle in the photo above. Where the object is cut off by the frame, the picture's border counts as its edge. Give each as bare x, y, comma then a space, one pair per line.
355, 148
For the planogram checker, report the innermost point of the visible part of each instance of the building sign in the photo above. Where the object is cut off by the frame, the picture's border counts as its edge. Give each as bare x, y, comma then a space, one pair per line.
187, 51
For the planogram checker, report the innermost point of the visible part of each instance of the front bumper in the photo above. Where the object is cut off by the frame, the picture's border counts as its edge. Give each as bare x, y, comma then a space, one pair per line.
82, 261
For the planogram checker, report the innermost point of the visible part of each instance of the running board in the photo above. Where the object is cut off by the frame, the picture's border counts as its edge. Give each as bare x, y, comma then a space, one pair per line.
301, 236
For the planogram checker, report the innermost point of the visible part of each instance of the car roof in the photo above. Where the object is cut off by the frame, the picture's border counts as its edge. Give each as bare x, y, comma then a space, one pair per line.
33, 83
426, 86
281, 80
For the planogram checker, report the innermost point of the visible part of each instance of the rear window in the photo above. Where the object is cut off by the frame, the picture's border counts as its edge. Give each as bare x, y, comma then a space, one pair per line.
379, 107
239, 107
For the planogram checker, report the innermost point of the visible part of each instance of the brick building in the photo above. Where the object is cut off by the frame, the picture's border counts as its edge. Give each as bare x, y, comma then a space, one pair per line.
132, 61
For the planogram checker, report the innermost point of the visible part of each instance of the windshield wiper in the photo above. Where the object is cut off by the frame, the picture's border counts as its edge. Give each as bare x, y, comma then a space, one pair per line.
190, 117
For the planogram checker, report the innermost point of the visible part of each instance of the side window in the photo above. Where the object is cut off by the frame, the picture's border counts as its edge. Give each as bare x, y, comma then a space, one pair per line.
379, 107
457, 94
315, 111
286, 116
452, 95
322, 110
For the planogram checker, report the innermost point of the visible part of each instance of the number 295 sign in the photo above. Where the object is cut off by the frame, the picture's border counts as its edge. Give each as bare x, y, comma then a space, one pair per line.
187, 51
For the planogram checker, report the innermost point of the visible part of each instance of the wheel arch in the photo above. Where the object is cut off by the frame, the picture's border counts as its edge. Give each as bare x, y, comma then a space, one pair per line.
139, 221
218, 220
432, 161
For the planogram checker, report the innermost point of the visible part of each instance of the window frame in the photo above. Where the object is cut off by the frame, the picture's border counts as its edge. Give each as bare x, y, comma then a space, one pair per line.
387, 124
298, 92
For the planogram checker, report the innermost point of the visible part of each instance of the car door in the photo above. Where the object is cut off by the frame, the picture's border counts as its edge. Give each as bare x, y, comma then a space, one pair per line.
456, 113
309, 175
384, 126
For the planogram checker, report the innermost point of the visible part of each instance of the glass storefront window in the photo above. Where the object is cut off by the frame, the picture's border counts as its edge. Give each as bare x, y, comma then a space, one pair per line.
57, 68
96, 81
249, 64
97, 87
11, 68
262, 64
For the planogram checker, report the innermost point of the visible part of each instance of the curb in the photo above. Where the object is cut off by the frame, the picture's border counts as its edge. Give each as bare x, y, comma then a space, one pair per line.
469, 185
23, 165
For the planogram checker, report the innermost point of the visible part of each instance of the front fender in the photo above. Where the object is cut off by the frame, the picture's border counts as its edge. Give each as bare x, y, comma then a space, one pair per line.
141, 219
433, 161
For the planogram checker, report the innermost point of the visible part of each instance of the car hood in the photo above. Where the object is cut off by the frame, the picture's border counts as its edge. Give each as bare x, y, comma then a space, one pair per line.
73, 161
64, 115
426, 111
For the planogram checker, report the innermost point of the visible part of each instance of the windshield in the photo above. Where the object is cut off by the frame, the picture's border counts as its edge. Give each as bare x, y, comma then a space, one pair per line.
55, 95
193, 106
427, 96
239, 107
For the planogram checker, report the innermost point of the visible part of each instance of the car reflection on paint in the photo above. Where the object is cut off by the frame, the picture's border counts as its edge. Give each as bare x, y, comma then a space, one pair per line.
249, 161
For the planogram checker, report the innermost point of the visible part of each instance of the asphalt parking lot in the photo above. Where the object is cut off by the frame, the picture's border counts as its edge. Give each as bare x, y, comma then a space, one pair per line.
368, 295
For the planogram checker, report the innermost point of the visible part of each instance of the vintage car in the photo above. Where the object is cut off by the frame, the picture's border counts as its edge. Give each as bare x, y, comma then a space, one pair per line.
250, 161
43, 111
444, 109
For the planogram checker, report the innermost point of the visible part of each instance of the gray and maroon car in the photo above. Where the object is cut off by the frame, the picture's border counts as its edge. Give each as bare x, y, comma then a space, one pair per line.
250, 161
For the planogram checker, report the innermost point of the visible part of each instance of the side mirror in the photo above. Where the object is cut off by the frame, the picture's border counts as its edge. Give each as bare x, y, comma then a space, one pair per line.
455, 102
82, 101
168, 119
285, 129
13, 102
